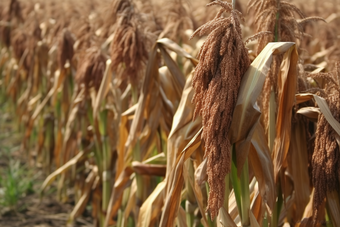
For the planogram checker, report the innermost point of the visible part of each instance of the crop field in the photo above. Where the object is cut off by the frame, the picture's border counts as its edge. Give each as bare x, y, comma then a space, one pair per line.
169, 113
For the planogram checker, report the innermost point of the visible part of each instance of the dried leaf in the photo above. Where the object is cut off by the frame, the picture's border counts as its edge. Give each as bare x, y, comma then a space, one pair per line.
182, 142
286, 98
310, 112
333, 203
298, 167
261, 163
152, 206
148, 169
130, 206
122, 182
177, 49
48, 181
300, 98
224, 219
253, 221
151, 72
201, 173
81, 204
246, 113
176, 182
103, 89
181, 217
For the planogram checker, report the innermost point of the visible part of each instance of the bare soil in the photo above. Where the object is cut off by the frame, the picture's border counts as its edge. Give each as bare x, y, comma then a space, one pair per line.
31, 210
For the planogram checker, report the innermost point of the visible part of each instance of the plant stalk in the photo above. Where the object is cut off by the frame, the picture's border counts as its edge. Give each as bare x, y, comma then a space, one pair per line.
245, 195
236, 183
272, 120
190, 204
278, 206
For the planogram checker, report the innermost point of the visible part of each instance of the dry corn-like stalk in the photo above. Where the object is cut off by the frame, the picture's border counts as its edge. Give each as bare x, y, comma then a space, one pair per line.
223, 61
278, 17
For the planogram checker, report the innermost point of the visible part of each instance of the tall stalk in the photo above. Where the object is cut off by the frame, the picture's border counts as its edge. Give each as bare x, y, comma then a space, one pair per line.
226, 192
137, 156
190, 204
245, 194
241, 189
278, 206
106, 154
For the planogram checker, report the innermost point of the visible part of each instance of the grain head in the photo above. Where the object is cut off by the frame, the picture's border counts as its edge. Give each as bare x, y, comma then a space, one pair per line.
177, 21
223, 60
326, 156
128, 48
91, 68
65, 52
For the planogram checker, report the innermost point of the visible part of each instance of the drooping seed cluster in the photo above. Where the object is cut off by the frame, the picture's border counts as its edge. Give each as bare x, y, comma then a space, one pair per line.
326, 156
66, 52
223, 60
178, 20
128, 48
278, 17
91, 68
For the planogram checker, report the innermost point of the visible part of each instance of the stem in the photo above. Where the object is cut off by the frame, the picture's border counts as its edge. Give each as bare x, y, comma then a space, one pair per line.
139, 178
265, 220
106, 161
278, 206
137, 157
245, 195
236, 182
241, 189
211, 223
328, 220
122, 210
226, 193
120, 217
106, 173
234, 4
190, 204
97, 148
134, 94
272, 122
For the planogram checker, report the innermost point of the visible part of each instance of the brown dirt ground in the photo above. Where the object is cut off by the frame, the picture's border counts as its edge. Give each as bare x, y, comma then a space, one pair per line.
31, 211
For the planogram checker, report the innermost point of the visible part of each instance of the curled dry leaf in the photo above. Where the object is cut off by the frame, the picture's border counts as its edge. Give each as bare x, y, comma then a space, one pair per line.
183, 131
287, 82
